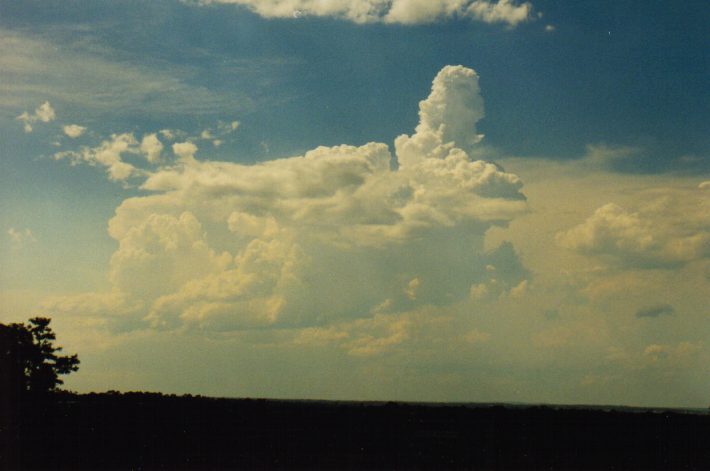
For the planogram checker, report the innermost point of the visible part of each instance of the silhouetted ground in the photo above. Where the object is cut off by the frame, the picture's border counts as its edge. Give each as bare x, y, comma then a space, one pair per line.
151, 431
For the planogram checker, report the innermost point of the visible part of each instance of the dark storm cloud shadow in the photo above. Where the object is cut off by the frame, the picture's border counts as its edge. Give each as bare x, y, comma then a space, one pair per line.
656, 310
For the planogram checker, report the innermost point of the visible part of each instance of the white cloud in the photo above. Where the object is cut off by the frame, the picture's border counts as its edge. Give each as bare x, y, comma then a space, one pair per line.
281, 271
550, 28
610, 229
391, 11
327, 237
111, 154
161, 254
671, 227
502, 11
151, 147
219, 132
44, 113
185, 150
168, 134
419, 11
73, 130
108, 154
447, 118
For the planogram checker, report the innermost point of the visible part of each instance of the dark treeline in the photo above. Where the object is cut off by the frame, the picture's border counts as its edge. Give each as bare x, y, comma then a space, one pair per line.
43, 427
154, 431
30, 364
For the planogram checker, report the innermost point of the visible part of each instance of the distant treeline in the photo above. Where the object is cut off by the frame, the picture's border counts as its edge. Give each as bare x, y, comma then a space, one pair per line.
140, 430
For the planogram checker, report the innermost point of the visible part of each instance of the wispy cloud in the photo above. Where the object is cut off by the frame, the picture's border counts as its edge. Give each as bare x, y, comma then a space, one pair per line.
20, 237
94, 80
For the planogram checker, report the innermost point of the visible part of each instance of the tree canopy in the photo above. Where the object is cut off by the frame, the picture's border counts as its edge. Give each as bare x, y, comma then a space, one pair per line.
29, 363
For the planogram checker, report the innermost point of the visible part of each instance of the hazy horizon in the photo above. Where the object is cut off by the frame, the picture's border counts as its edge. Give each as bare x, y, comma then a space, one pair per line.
448, 201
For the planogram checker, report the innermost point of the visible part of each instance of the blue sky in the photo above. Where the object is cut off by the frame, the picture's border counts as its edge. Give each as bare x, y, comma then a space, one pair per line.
625, 73
599, 113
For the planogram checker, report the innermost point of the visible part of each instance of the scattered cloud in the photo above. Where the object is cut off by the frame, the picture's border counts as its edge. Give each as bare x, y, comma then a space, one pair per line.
550, 28
219, 133
74, 130
670, 227
508, 12
110, 154
44, 113
672, 355
151, 147
168, 134
185, 150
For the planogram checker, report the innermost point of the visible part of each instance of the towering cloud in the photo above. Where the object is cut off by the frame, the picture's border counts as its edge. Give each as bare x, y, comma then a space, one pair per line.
338, 234
447, 118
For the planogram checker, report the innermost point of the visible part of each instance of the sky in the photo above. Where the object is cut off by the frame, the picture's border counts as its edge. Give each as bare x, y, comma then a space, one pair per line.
442, 200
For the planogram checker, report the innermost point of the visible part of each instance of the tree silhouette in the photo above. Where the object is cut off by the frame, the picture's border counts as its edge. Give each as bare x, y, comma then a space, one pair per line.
29, 364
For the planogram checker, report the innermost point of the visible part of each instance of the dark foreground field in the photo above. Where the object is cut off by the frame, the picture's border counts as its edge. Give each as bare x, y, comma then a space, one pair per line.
145, 431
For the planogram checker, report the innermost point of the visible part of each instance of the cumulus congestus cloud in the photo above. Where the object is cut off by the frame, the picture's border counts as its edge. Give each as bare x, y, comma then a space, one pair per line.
670, 229
339, 234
